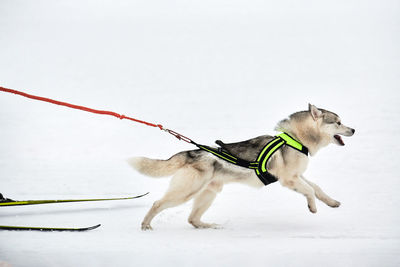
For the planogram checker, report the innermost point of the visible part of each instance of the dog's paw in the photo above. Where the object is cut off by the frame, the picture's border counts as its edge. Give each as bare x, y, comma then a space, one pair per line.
334, 204
202, 225
146, 227
312, 209
215, 226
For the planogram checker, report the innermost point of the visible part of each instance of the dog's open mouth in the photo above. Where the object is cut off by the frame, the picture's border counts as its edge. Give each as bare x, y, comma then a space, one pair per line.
339, 139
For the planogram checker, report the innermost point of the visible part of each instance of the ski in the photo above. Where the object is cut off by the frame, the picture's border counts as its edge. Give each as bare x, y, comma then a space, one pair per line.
4, 202
48, 229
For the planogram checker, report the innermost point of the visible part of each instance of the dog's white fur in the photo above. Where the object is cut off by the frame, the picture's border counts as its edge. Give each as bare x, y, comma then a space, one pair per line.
203, 176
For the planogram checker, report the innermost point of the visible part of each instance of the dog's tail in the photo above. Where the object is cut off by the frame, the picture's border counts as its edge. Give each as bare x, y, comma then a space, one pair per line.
156, 167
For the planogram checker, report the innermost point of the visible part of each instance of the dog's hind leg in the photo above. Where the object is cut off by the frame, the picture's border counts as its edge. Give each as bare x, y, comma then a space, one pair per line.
202, 202
321, 195
184, 185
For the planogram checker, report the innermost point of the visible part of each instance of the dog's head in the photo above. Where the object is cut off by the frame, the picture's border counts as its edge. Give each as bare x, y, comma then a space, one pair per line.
329, 125
315, 128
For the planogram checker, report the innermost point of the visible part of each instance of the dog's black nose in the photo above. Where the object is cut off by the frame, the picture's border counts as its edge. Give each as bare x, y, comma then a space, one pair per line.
353, 131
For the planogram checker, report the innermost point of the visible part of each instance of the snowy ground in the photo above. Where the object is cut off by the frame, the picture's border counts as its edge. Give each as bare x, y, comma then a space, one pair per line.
211, 70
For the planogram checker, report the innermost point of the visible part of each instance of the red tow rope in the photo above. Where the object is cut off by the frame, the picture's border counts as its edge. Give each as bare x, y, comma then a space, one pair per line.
96, 111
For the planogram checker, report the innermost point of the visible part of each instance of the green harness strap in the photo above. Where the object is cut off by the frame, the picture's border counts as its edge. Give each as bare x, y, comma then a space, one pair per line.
260, 165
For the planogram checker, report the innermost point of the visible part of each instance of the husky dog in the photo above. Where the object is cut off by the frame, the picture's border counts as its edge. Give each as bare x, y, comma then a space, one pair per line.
199, 175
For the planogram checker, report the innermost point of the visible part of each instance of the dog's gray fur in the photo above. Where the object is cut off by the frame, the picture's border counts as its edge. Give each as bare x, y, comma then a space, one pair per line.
200, 175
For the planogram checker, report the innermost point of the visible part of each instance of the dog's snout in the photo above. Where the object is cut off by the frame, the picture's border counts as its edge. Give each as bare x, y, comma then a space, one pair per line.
349, 131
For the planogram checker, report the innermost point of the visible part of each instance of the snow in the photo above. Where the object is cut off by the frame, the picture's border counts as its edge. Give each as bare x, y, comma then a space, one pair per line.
210, 70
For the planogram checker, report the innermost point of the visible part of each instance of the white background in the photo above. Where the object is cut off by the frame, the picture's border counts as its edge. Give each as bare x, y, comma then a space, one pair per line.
210, 70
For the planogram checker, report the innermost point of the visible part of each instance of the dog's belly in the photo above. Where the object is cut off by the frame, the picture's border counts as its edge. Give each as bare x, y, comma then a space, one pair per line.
230, 173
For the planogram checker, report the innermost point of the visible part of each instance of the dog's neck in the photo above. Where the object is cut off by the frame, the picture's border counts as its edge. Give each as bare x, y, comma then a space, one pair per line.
305, 131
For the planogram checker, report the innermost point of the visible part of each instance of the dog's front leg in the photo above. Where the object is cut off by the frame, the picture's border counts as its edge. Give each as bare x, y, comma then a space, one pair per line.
321, 195
299, 185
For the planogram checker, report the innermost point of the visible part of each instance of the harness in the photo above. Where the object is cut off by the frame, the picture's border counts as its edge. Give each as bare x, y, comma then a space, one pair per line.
260, 164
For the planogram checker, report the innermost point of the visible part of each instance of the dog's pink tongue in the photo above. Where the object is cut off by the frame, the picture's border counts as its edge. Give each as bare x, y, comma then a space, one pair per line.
337, 137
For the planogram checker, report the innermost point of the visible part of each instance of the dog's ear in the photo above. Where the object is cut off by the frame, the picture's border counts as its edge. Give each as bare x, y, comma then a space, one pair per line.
315, 112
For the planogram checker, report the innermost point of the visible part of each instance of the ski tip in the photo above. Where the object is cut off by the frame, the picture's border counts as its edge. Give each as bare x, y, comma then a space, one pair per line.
141, 195
93, 227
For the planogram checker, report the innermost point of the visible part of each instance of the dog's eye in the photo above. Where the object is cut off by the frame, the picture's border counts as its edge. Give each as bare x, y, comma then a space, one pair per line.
338, 123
